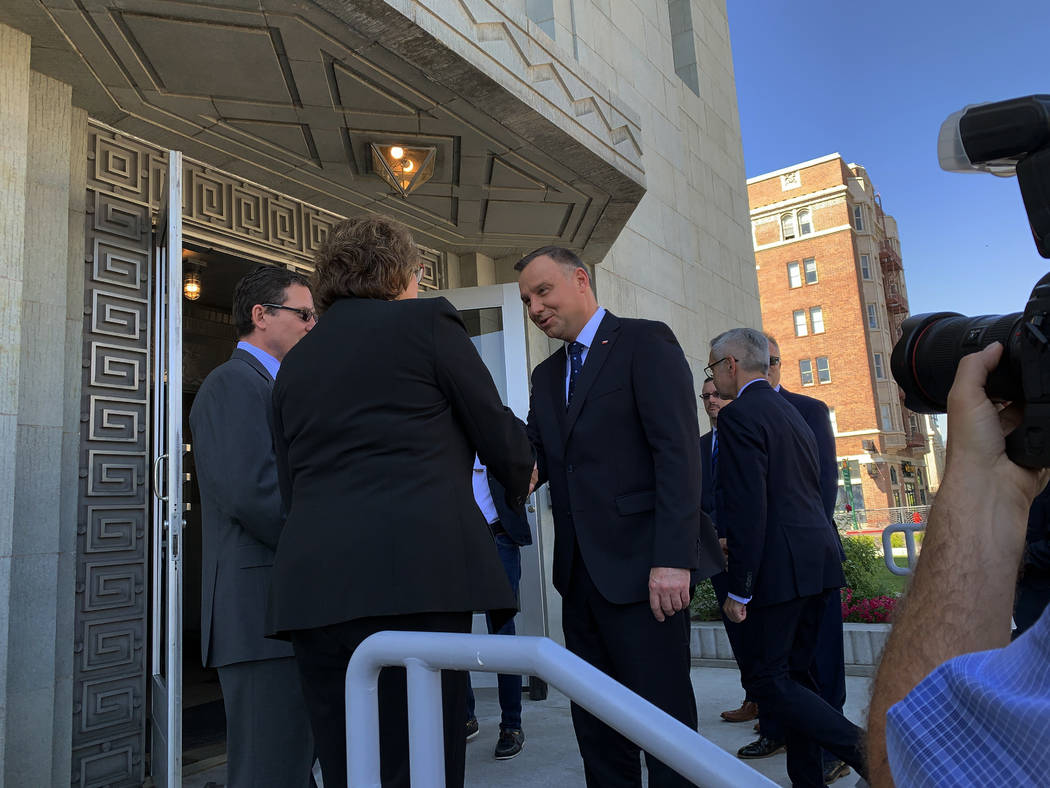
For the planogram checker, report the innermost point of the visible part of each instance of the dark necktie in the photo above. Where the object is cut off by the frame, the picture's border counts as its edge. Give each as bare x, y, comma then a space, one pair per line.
575, 365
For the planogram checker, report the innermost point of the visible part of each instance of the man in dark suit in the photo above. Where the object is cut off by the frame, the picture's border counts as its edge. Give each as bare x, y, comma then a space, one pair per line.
829, 668
783, 557
510, 530
713, 403
613, 421
268, 738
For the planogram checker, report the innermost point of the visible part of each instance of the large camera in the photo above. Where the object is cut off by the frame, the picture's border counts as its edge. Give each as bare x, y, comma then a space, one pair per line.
1003, 138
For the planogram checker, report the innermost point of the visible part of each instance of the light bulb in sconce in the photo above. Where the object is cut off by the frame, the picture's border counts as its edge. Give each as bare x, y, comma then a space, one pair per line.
191, 286
396, 152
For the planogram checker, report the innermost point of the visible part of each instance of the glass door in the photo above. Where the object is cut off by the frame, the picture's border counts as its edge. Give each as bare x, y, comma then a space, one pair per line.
495, 321
167, 481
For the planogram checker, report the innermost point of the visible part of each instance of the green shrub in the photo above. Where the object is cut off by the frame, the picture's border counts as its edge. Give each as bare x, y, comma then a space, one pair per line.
704, 606
862, 566
897, 539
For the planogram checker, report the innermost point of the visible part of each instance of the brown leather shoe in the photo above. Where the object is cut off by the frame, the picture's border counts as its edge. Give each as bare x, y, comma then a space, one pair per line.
748, 711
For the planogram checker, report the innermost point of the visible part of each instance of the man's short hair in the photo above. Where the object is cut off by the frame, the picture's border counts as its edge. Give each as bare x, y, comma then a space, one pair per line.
264, 284
364, 257
749, 347
558, 254
771, 339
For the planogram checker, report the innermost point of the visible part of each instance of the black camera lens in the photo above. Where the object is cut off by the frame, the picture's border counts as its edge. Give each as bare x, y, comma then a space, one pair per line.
926, 356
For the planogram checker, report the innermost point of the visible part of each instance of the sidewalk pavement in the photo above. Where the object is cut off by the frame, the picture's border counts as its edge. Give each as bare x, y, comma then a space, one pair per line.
551, 759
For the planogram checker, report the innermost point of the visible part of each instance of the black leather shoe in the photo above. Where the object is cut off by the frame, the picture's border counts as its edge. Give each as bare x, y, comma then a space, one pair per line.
511, 740
472, 728
760, 748
833, 770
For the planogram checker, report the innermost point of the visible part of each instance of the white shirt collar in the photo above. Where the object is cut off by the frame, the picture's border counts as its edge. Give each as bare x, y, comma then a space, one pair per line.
755, 380
586, 335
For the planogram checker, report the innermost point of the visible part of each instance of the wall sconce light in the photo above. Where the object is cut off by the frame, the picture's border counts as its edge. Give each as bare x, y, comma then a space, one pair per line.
191, 286
404, 168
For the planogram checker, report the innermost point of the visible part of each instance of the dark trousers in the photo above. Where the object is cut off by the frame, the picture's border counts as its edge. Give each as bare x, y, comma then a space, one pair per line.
509, 686
647, 656
778, 643
721, 586
322, 655
828, 669
268, 738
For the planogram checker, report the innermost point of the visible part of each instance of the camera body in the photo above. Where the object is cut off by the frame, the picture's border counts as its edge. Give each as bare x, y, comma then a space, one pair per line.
1004, 138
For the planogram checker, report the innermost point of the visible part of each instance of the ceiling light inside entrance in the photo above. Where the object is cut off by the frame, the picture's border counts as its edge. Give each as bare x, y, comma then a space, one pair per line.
405, 168
191, 286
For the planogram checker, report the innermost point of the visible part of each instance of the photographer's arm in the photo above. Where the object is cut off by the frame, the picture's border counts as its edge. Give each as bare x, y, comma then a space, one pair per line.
961, 596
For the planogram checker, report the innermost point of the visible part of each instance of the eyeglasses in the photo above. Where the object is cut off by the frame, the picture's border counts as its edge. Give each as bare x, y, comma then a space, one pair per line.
710, 395
419, 273
306, 315
709, 370
774, 360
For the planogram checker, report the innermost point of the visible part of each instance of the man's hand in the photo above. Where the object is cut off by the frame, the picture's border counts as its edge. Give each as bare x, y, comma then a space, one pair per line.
735, 611
668, 591
535, 477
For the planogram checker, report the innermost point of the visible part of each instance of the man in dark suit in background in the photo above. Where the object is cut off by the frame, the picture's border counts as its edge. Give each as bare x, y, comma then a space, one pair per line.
510, 530
829, 668
268, 738
783, 558
613, 421
1033, 583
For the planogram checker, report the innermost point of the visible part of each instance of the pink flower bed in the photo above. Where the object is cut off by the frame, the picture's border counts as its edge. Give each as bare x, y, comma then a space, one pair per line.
873, 610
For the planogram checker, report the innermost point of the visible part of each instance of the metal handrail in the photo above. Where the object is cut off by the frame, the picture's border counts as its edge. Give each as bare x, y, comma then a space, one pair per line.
909, 530
425, 654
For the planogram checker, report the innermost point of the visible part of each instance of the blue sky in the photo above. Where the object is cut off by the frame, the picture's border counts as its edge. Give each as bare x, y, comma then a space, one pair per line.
874, 82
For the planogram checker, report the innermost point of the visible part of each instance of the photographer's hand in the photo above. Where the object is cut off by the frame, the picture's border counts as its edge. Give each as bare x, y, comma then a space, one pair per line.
961, 596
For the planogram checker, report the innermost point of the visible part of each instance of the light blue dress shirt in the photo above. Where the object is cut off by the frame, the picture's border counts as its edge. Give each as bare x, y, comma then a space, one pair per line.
585, 338
977, 720
268, 361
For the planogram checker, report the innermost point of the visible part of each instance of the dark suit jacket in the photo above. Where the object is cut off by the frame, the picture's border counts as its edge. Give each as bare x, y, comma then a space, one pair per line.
624, 461
512, 519
780, 544
379, 412
815, 413
230, 425
1036, 563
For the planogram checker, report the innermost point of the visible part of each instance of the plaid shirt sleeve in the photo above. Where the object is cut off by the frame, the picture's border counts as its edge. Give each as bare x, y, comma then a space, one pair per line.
977, 720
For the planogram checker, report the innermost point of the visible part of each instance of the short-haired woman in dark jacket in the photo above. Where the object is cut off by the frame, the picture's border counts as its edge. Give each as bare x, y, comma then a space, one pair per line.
378, 414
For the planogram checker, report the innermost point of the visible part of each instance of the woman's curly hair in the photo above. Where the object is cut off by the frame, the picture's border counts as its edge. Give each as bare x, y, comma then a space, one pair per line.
364, 257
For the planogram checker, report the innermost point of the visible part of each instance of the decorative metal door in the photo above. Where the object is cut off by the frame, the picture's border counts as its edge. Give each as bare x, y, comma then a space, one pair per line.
167, 481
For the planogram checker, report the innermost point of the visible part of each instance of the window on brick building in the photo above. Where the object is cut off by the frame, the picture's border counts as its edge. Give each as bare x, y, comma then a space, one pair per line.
873, 317
858, 218
816, 319
893, 474
823, 369
800, 322
865, 267
887, 420
880, 371
794, 275
805, 222
810, 267
787, 226
805, 371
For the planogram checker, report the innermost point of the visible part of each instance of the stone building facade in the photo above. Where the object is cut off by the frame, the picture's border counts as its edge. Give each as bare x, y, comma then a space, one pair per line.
608, 127
828, 260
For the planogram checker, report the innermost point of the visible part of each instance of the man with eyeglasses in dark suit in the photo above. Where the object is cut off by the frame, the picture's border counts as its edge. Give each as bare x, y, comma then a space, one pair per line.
268, 736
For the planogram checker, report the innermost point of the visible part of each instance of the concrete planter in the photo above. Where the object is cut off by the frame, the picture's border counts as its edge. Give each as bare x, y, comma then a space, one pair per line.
861, 643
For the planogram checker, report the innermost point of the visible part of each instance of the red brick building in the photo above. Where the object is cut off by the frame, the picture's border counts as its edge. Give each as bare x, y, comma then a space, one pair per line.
832, 289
